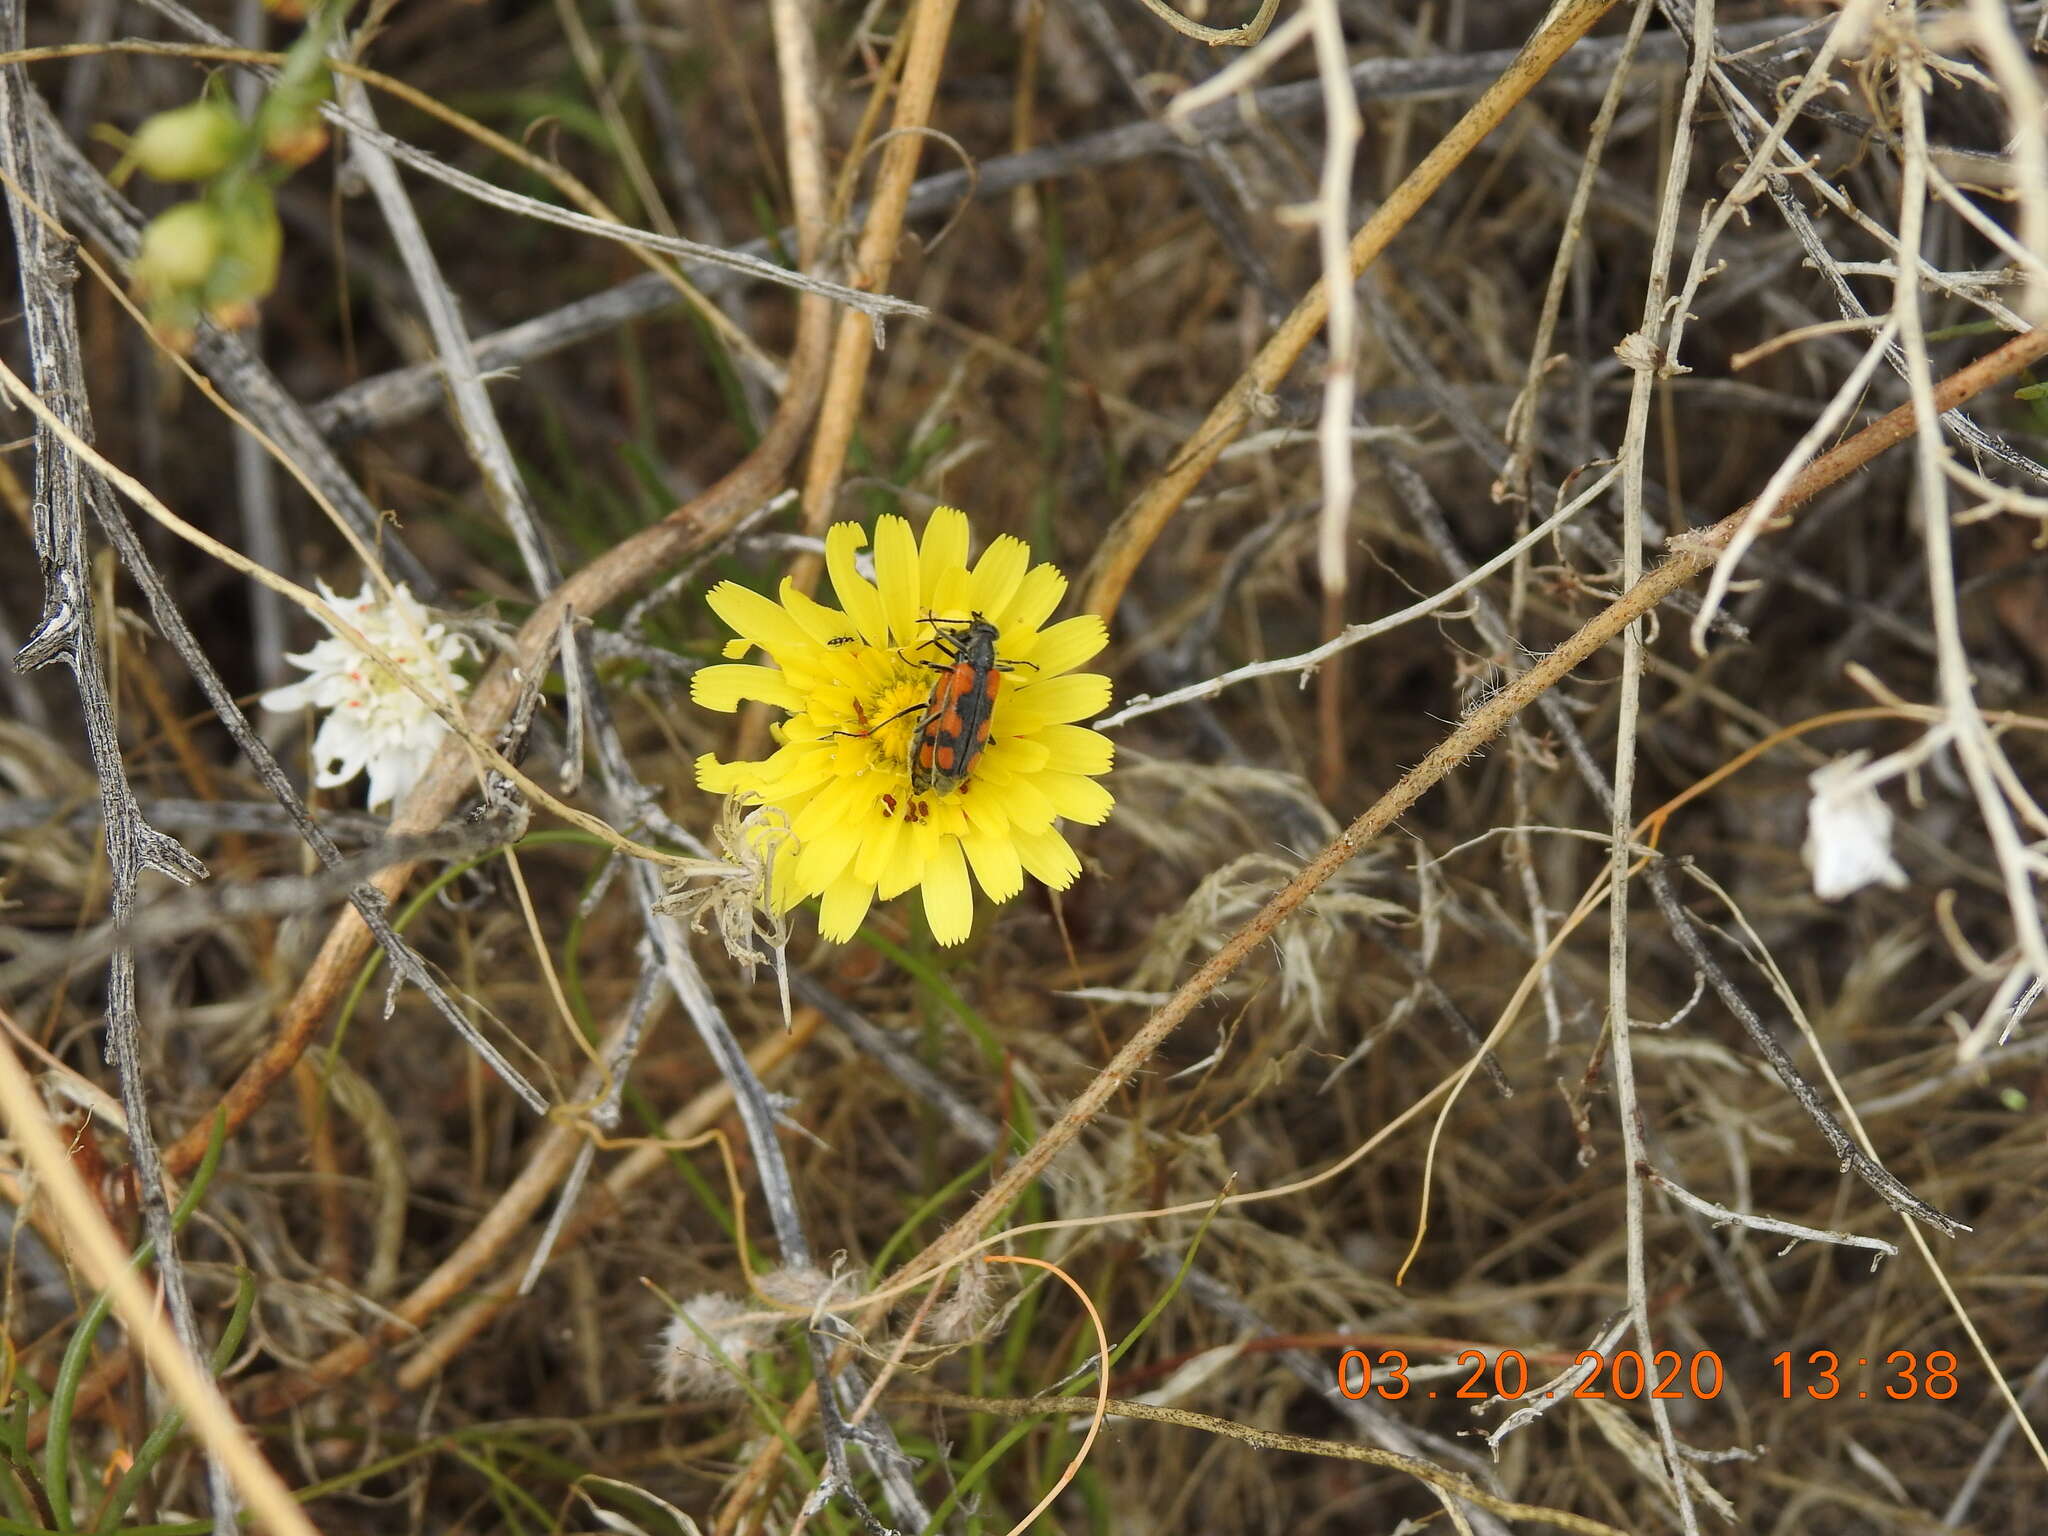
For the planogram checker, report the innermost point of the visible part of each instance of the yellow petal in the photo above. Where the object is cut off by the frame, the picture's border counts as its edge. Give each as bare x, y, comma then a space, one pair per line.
948, 899
766, 835
844, 801
798, 766
1075, 748
878, 849
943, 551
735, 648
1024, 803
996, 865
953, 596
945, 816
775, 776
906, 863
1054, 701
819, 863
783, 892
825, 626
1011, 752
844, 906
747, 613
1076, 798
1048, 859
724, 778
996, 575
1038, 594
983, 814
896, 569
1068, 643
722, 687
863, 604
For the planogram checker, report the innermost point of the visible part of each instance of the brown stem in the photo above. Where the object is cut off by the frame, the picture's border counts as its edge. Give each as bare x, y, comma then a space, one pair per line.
853, 348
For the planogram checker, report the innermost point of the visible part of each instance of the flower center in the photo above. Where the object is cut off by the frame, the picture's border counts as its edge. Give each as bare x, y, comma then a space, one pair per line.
893, 707
877, 717
377, 679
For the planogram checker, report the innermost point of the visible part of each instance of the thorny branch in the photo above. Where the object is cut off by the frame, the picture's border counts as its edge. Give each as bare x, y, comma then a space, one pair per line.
69, 632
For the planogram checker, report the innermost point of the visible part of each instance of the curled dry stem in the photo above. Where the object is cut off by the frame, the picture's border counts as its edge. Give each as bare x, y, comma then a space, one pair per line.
1217, 37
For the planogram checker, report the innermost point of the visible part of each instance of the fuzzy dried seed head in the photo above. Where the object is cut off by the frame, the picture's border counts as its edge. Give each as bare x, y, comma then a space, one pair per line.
796, 1285
685, 1365
809, 1287
960, 1318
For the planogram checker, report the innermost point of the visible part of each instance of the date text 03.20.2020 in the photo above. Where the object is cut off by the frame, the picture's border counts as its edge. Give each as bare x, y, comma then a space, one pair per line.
1823, 1374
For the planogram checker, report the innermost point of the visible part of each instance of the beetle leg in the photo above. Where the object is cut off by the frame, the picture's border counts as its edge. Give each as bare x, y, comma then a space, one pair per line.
869, 730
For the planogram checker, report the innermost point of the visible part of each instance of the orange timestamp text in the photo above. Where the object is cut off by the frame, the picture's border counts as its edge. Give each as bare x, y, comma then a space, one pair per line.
1906, 1374
1504, 1375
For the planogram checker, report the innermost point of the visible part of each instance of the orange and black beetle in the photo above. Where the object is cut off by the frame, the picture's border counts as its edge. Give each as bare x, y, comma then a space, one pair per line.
954, 726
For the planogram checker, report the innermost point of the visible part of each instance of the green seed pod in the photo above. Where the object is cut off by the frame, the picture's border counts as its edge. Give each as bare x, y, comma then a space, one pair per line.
179, 250
289, 121
252, 244
188, 143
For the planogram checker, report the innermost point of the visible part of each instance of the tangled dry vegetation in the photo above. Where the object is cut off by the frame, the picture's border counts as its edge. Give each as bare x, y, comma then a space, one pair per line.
1450, 994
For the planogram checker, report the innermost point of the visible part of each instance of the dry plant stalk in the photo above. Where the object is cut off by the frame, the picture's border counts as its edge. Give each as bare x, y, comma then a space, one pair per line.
106, 1265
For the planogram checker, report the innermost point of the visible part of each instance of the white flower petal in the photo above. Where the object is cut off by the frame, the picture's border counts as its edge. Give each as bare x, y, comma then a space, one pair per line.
292, 697
1848, 832
375, 724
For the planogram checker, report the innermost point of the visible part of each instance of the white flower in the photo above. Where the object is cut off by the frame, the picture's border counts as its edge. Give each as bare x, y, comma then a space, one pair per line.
376, 723
1848, 832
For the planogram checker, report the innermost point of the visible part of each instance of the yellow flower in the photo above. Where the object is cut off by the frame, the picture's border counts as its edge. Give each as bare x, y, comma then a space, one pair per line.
855, 680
